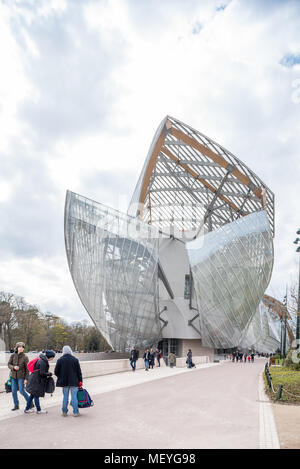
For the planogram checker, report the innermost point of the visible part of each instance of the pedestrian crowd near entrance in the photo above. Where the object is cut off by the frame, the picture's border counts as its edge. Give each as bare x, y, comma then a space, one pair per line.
150, 356
33, 380
242, 357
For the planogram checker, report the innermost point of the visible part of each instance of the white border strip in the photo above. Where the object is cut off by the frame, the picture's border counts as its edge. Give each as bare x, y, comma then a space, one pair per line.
268, 436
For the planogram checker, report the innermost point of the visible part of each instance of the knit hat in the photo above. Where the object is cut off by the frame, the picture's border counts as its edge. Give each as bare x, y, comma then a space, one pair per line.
19, 344
67, 350
49, 353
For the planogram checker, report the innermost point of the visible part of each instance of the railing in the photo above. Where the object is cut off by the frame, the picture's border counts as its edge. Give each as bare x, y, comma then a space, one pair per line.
280, 389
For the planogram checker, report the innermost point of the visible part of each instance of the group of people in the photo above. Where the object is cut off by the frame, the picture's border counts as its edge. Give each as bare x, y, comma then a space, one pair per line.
67, 370
240, 357
148, 357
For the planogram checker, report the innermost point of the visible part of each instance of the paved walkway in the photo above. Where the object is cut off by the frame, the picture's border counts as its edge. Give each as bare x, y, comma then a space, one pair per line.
287, 418
212, 406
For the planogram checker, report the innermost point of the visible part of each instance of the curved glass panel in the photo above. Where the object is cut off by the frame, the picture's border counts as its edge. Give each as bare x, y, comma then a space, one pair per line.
264, 332
266, 327
113, 261
231, 269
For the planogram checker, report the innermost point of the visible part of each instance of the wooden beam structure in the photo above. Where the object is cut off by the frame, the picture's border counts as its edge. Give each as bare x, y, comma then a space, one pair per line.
193, 173
216, 158
150, 168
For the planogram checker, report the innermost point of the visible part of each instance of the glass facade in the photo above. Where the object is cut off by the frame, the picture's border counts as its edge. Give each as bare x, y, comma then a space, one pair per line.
231, 269
266, 328
135, 286
113, 262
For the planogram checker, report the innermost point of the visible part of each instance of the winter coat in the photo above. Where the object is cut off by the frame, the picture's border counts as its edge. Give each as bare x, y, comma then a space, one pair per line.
151, 360
68, 371
37, 380
146, 356
172, 358
133, 356
20, 360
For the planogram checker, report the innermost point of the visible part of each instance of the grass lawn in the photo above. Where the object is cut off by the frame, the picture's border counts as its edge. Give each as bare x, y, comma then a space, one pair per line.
290, 380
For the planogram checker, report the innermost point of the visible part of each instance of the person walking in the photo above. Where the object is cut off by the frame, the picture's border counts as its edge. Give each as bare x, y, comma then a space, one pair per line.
189, 360
249, 358
158, 356
245, 358
36, 384
17, 364
146, 359
252, 357
152, 357
172, 359
69, 377
133, 358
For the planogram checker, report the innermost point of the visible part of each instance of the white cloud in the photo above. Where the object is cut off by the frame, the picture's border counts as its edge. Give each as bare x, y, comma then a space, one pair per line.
45, 282
83, 88
5, 191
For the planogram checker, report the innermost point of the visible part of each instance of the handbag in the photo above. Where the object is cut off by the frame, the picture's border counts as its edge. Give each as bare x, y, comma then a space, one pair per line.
8, 384
84, 399
50, 386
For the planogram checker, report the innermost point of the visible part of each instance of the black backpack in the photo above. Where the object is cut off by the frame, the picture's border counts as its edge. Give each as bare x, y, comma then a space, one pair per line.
50, 385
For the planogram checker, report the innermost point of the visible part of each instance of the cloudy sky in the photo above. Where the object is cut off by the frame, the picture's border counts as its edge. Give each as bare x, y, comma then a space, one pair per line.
84, 85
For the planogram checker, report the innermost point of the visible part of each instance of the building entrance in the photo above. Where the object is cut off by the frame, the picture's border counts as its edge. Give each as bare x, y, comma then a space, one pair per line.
168, 346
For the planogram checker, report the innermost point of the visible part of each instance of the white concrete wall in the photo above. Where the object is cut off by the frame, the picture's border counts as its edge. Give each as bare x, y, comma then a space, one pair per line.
4, 357
89, 368
174, 261
197, 348
104, 367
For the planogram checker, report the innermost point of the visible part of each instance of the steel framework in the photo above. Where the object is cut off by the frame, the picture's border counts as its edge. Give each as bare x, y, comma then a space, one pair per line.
196, 192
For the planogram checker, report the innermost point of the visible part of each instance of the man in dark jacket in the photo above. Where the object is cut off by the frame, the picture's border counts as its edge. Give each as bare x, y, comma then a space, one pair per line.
189, 360
69, 377
37, 381
17, 364
158, 356
152, 356
133, 358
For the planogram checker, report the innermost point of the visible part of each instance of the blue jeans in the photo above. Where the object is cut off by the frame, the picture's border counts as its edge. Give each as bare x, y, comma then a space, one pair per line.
73, 390
133, 364
15, 384
146, 364
36, 401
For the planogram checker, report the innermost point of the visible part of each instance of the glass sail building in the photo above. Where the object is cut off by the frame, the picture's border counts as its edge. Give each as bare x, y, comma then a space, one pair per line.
187, 266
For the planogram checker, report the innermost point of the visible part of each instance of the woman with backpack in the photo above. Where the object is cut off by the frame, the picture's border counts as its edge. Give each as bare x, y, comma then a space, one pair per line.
37, 381
189, 359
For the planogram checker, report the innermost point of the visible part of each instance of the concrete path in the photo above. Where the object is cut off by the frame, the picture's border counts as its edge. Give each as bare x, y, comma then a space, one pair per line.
212, 406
